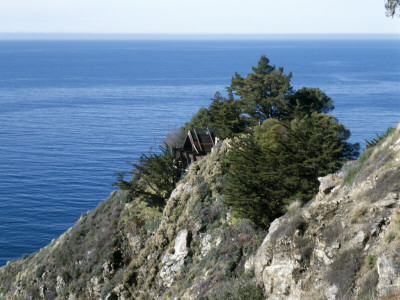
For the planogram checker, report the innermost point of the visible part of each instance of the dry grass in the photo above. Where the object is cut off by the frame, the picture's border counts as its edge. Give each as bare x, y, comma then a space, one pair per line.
294, 206
396, 218
358, 211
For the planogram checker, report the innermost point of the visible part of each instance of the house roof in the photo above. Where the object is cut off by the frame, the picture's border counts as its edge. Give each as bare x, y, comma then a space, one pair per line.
199, 140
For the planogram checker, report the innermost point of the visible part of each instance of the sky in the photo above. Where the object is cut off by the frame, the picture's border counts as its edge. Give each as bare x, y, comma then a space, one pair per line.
197, 17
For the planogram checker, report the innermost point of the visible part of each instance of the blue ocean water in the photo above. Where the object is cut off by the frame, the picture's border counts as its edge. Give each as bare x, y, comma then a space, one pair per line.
72, 112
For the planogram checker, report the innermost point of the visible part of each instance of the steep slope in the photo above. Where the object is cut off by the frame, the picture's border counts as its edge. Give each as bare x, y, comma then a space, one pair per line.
126, 249
345, 244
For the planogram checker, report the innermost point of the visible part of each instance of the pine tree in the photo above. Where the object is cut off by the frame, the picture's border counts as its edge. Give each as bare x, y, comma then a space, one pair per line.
226, 119
308, 100
313, 146
271, 168
252, 186
263, 94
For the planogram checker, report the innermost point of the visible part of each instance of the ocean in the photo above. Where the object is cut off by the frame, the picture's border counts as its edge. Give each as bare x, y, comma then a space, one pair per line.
73, 112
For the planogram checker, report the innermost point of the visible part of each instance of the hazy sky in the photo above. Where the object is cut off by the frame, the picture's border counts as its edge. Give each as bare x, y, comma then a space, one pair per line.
196, 16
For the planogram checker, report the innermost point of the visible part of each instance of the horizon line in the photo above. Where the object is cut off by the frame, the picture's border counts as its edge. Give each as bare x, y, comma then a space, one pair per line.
189, 36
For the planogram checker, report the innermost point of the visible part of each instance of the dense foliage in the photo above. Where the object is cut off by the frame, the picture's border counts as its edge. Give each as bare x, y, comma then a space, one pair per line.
308, 100
253, 184
391, 7
268, 169
226, 116
280, 160
283, 140
264, 94
154, 176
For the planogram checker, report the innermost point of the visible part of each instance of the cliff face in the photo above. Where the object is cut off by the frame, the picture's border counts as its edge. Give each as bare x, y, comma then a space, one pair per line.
344, 243
126, 249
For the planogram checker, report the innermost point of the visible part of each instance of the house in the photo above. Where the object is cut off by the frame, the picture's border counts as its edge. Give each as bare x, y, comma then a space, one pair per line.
198, 144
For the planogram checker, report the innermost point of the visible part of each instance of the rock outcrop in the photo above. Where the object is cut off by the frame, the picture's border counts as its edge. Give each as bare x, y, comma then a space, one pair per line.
345, 243
128, 249
172, 263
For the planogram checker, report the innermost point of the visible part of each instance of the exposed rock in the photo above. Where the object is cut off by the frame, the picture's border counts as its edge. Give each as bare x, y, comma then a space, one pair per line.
360, 239
276, 269
322, 255
108, 270
249, 265
205, 245
328, 183
330, 258
119, 292
42, 291
306, 214
389, 281
94, 287
60, 284
172, 263
331, 292
72, 297
218, 241
323, 250
135, 241
389, 201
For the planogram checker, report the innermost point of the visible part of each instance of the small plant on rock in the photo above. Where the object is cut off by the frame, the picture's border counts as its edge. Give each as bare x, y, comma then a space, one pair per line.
371, 260
390, 237
379, 137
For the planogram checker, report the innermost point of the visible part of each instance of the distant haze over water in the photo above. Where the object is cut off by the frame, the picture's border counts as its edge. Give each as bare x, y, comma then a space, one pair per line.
204, 36
72, 112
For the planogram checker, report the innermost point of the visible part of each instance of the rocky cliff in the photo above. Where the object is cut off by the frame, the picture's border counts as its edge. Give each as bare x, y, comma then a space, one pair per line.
126, 249
343, 244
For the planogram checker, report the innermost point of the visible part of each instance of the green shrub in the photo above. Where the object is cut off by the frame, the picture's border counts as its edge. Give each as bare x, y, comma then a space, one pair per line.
379, 137
201, 120
242, 288
64, 292
154, 176
106, 289
39, 271
203, 188
390, 237
32, 292
368, 286
265, 175
371, 260
353, 171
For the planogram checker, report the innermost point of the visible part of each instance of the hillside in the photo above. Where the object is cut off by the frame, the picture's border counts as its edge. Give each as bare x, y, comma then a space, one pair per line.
125, 249
343, 244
